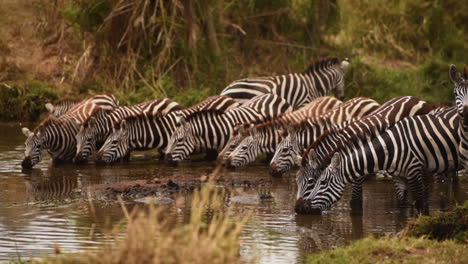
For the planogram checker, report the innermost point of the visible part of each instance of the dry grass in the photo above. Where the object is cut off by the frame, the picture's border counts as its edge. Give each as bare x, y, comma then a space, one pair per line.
209, 237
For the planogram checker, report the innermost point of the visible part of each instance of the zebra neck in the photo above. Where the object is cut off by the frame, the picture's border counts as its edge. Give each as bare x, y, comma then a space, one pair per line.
60, 141
369, 156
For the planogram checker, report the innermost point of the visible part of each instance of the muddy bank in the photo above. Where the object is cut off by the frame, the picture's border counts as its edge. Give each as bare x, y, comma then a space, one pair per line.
164, 188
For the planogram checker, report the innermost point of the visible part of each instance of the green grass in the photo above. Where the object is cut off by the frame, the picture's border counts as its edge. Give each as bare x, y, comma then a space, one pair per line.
394, 250
441, 238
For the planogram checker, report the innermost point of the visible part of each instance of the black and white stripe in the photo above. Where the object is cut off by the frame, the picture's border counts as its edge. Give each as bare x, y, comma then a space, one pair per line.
461, 101
297, 89
265, 138
146, 126
412, 150
383, 118
57, 135
301, 135
210, 129
61, 106
94, 132
315, 108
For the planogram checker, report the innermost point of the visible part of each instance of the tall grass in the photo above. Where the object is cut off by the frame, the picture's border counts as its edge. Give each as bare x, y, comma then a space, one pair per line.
210, 236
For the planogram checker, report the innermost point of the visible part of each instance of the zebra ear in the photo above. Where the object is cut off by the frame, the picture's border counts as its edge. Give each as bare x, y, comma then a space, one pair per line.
253, 131
26, 131
312, 157
49, 107
297, 159
344, 63
181, 120
455, 75
123, 125
335, 161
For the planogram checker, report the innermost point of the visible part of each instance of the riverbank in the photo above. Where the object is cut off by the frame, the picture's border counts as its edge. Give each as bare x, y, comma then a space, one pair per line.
73, 49
442, 238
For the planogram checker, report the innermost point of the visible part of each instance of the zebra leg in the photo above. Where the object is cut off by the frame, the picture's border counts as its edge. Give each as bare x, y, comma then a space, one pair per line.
400, 189
416, 184
356, 196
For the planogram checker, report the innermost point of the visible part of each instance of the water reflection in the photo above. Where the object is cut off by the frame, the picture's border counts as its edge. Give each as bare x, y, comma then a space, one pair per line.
48, 205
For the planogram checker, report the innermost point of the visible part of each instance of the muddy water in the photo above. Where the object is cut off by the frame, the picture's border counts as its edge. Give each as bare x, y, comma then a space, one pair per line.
44, 207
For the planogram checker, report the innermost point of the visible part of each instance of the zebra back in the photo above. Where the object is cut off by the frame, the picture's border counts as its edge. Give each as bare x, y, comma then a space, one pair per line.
82, 111
61, 106
319, 153
297, 89
315, 108
413, 149
149, 128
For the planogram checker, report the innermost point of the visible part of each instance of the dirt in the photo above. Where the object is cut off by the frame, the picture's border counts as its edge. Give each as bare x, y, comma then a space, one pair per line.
34, 44
136, 189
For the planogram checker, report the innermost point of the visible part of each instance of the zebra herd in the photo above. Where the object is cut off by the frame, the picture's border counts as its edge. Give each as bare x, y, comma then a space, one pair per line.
288, 118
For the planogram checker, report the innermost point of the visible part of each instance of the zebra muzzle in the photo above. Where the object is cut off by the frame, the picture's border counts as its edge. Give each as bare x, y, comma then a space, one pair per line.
27, 164
274, 170
303, 207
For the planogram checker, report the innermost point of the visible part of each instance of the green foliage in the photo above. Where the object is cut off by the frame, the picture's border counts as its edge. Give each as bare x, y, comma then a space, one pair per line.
88, 15
394, 250
444, 225
24, 101
430, 81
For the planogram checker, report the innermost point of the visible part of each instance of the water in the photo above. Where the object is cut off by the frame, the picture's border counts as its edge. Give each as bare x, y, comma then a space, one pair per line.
44, 207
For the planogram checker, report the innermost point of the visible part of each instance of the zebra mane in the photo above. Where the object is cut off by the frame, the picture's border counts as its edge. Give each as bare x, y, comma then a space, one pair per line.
45, 122
92, 114
153, 109
322, 63
66, 99
213, 104
366, 131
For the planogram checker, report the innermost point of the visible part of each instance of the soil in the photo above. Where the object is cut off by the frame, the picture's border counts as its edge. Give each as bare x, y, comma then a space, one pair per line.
136, 189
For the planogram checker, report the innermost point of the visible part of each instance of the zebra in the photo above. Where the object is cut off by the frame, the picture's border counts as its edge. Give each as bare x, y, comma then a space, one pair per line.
300, 136
264, 138
210, 129
383, 118
61, 106
57, 134
461, 101
315, 108
97, 128
149, 128
413, 149
323, 75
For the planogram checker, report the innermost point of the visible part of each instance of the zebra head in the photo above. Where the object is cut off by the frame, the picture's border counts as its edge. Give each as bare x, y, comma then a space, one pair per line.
35, 143
86, 140
246, 151
307, 175
286, 151
338, 84
327, 190
116, 146
238, 134
460, 91
181, 143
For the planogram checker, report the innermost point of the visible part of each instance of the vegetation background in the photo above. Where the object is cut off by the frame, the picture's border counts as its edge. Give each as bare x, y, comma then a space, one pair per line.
187, 50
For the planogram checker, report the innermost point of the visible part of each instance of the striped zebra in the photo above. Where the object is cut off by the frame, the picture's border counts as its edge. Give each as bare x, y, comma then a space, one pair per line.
297, 89
148, 127
57, 135
210, 128
315, 108
383, 118
413, 150
264, 138
94, 132
461, 102
301, 135
61, 106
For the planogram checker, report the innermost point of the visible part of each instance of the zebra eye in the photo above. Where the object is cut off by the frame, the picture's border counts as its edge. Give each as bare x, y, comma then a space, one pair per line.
114, 142
323, 182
